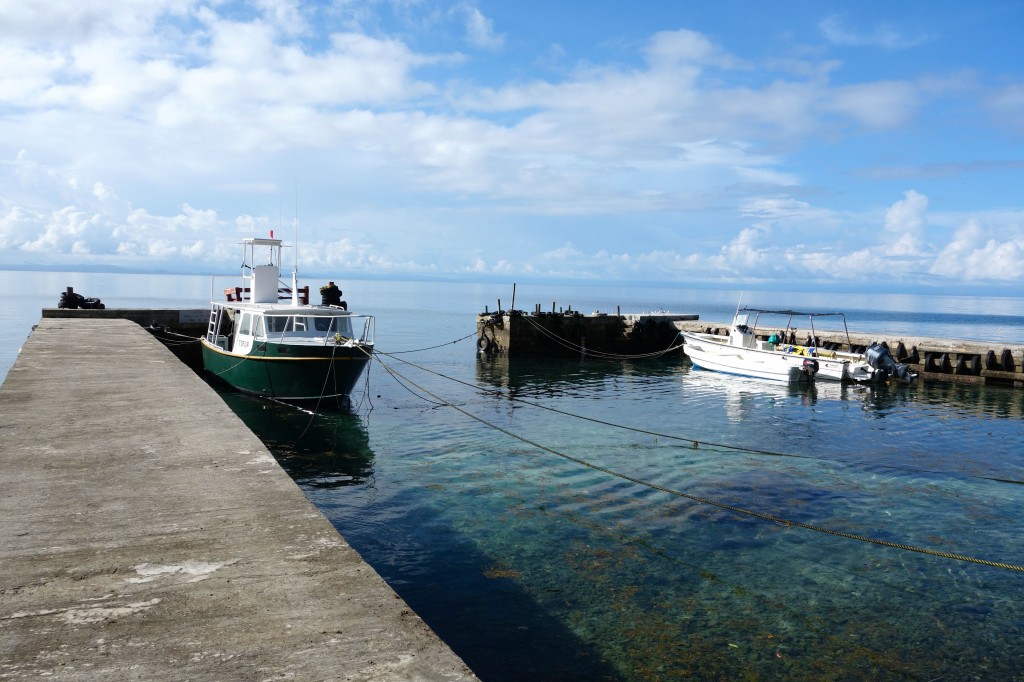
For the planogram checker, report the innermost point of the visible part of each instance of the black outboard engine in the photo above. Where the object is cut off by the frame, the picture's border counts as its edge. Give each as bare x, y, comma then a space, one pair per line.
879, 357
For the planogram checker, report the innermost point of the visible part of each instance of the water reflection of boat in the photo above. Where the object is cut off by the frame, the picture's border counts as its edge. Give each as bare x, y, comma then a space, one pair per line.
321, 451
739, 397
564, 376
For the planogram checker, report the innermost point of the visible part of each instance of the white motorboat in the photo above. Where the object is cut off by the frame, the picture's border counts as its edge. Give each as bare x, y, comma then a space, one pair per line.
770, 352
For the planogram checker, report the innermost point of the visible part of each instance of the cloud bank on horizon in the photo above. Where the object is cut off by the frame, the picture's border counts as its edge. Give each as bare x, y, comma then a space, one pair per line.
736, 143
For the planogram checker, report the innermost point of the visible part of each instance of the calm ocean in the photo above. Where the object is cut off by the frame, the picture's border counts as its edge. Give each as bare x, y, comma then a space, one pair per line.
639, 520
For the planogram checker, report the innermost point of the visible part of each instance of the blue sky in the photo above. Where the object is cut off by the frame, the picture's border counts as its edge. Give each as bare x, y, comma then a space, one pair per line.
735, 142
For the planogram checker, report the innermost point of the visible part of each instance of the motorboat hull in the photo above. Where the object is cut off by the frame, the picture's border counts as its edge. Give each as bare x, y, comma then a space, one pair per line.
289, 371
709, 352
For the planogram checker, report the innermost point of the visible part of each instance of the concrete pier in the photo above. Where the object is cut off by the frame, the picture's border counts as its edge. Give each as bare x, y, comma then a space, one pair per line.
147, 534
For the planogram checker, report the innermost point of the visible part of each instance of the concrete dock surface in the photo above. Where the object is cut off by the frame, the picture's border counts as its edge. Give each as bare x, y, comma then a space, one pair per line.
147, 534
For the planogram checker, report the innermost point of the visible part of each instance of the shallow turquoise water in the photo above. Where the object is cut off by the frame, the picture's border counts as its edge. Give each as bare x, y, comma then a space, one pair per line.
533, 564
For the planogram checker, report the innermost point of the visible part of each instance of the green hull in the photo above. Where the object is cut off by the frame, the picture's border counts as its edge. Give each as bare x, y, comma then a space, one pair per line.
289, 371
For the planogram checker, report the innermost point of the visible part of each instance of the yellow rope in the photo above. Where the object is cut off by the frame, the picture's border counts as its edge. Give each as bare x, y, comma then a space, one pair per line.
703, 500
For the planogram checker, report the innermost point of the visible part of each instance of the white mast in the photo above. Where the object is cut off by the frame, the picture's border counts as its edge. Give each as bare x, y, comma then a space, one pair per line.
295, 267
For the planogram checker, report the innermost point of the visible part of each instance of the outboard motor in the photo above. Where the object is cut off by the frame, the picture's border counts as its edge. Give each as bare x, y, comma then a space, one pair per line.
879, 357
810, 367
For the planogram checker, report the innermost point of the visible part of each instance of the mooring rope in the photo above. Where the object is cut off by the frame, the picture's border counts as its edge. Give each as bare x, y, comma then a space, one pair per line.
703, 500
695, 442
583, 350
440, 345
647, 432
323, 389
169, 343
397, 377
316, 408
241, 361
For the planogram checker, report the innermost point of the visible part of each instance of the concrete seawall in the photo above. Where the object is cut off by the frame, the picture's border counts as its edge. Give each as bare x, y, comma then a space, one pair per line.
518, 334
146, 533
538, 334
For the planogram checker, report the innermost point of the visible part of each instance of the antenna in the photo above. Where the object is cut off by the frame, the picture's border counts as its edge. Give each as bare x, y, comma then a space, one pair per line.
295, 224
295, 267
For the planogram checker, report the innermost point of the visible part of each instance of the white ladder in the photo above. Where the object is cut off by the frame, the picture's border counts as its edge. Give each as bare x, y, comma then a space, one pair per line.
212, 331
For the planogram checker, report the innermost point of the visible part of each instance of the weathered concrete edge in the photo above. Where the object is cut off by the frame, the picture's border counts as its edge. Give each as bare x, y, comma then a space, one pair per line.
146, 533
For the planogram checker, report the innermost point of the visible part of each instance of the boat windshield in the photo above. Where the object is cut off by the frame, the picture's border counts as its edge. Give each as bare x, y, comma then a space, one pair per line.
307, 326
277, 324
297, 326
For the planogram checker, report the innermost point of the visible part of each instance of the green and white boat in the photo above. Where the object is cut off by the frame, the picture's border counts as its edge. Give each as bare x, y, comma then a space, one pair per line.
266, 340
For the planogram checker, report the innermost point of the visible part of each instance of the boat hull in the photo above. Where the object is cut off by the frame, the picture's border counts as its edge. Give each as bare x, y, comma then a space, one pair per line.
833, 370
707, 352
289, 371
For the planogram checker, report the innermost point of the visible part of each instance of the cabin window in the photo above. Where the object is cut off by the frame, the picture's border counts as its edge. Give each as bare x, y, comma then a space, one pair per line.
245, 327
344, 327
304, 326
277, 325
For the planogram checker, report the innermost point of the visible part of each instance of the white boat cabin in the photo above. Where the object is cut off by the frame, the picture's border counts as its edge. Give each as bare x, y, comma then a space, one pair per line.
303, 326
742, 335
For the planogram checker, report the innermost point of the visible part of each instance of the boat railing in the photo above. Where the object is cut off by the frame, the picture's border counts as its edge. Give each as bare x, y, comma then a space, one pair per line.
369, 329
242, 294
365, 335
